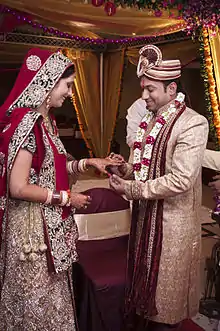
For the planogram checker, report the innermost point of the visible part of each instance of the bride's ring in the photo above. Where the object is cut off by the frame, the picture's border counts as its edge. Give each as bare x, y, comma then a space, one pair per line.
111, 155
85, 207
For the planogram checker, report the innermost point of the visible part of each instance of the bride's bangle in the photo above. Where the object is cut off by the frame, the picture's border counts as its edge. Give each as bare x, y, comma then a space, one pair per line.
65, 198
72, 167
49, 197
82, 166
60, 198
56, 198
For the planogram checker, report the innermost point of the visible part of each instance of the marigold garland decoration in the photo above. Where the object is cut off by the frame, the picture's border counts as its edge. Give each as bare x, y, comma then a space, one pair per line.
211, 83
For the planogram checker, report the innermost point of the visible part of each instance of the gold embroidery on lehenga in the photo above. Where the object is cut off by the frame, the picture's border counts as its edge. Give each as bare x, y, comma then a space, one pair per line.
31, 298
59, 230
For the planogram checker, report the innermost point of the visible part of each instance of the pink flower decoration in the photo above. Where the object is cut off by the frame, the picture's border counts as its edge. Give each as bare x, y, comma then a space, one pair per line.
180, 6
150, 140
137, 145
172, 2
143, 125
137, 166
165, 4
145, 161
161, 120
158, 13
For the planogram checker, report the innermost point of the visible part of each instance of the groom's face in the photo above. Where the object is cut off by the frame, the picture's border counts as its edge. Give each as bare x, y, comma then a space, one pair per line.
154, 93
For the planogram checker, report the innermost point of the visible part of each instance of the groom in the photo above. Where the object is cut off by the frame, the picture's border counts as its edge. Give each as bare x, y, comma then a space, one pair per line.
165, 183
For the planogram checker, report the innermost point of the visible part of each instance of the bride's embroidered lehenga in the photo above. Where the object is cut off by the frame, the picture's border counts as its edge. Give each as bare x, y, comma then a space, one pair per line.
37, 240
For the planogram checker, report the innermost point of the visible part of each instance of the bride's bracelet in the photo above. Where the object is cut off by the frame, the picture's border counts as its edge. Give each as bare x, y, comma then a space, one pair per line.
60, 198
82, 166
72, 167
49, 197
76, 167
65, 198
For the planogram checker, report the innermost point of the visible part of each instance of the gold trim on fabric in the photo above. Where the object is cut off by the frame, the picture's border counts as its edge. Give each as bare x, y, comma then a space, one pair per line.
103, 225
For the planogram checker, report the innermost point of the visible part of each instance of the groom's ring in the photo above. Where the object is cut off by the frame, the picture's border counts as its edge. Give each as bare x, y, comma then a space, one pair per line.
85, 207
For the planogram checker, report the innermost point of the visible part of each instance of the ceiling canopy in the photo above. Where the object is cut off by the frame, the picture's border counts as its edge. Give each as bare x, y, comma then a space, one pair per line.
81, 18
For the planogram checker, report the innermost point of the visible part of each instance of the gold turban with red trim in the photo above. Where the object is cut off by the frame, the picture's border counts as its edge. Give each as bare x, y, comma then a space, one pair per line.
151, 65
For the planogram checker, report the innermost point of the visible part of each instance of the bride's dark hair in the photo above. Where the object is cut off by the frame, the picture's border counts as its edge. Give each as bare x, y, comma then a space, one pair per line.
68, 72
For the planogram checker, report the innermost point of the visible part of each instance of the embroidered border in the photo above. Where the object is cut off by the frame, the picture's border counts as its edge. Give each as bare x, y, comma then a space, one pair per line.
2, 203
133, 190
157, 155
62, 233
19, 136
42, 83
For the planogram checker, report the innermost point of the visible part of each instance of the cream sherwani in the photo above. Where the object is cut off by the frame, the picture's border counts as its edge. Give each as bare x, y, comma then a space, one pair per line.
211, 159
178, 289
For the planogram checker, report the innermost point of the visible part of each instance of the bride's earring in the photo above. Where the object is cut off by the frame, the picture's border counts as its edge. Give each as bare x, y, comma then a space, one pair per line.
48, 102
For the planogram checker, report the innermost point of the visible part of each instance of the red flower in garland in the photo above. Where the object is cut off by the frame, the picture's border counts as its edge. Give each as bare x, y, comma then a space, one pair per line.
177, 103
143, 125
110, 8
145, 161
137, 166
150, 140
161, 120
137, 145
180, 6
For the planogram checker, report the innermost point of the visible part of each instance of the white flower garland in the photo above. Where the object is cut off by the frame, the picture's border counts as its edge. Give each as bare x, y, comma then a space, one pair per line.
141, 165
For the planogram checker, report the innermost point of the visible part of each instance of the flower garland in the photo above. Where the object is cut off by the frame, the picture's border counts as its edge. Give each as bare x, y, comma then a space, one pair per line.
211, 82
155, 7
204, 76
196, 13
141, 165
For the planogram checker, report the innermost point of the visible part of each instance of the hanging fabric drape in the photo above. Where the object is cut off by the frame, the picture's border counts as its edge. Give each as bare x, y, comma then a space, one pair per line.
97, 102
214, 40
113, 69
86, 98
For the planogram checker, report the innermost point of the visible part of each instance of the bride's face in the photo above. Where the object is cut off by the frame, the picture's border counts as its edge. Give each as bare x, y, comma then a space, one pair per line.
61, 91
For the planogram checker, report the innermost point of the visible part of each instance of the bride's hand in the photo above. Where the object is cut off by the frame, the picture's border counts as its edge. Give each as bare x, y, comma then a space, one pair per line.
120, 169
79, 200
101, 164
116, 157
